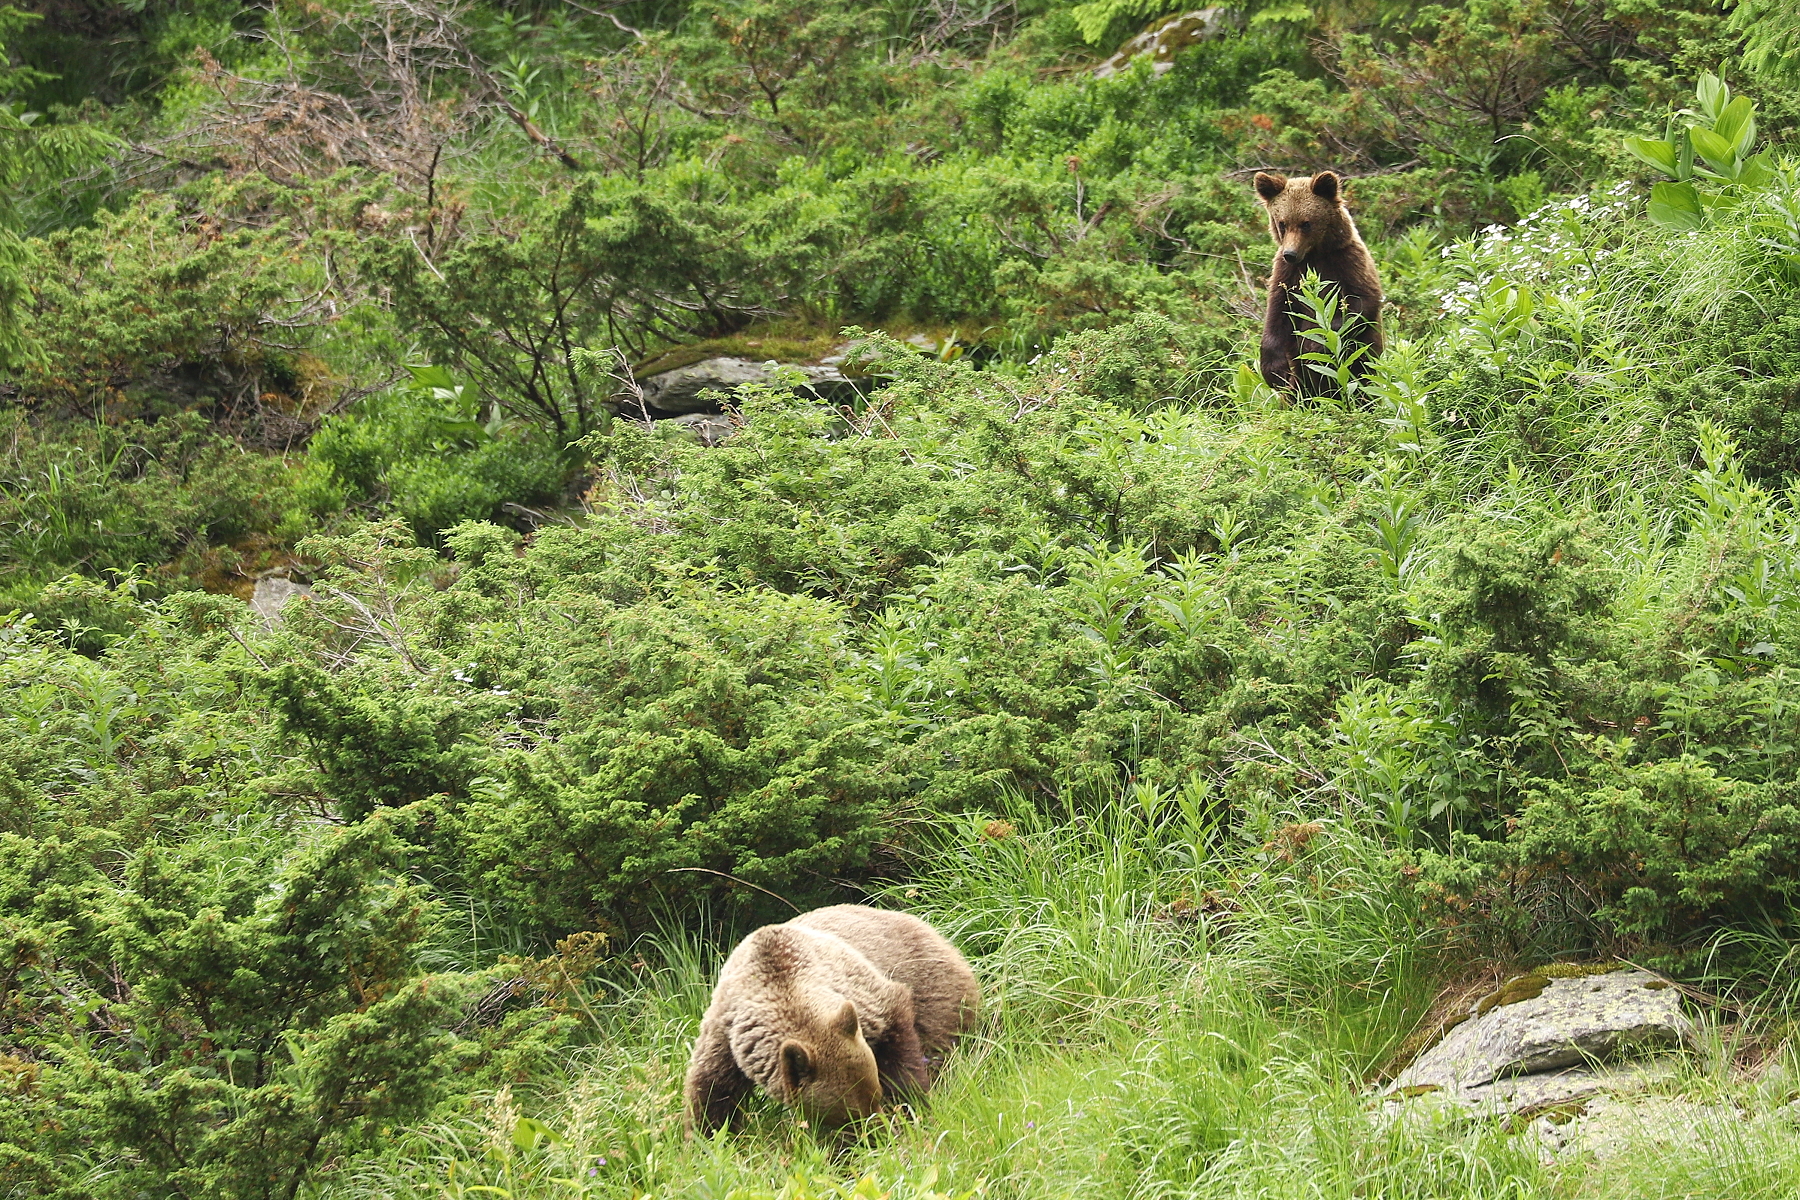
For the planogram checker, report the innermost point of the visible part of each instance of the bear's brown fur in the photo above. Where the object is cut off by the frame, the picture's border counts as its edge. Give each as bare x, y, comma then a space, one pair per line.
829, 1013
1313, 231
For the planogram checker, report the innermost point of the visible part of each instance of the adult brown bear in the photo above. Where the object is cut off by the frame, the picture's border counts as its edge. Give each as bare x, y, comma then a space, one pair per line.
1313, 232
830, 1013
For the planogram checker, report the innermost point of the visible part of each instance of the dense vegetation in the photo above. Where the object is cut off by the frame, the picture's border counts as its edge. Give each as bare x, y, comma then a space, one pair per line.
1229, 733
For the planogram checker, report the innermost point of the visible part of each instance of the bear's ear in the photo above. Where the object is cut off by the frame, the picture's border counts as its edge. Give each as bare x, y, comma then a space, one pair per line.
796, 1065
1270, 186
1325, 185
846, 1020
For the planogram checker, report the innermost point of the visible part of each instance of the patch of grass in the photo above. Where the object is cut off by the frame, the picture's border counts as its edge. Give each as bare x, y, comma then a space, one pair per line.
1127, 1049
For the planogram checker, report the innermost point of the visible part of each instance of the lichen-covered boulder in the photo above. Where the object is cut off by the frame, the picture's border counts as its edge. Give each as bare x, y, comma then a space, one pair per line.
681, 390
1608, 1127
1164, 37
1538, 1039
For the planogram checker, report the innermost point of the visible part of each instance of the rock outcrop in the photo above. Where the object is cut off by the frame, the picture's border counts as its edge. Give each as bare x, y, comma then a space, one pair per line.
272, 593
672, 393
1550, 1037
1608, 1127
1162, 39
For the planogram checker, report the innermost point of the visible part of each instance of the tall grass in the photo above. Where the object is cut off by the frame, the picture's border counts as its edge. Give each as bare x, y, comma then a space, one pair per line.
1156, 1025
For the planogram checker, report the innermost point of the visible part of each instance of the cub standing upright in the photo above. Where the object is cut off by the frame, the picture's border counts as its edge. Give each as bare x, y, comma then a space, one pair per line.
1314, 232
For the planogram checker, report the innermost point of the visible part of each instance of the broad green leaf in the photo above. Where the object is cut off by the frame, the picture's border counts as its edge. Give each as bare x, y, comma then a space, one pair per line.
1657, 152
432, 377
530, 1133
1755, 172
1719, 154
1676, 206
1737, 124
1713, 95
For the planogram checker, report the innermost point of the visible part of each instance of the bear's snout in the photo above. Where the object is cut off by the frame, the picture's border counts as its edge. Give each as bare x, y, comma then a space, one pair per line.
1290, 256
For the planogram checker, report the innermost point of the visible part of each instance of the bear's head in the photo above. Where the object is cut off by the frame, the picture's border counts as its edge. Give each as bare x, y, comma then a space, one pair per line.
1305, 215
829, 1072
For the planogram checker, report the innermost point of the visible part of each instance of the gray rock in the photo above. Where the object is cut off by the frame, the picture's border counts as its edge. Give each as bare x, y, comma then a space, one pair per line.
1537, 1041
679, 391
1610, 1126
271, 595
1530, 1093
710, 428
1163, 39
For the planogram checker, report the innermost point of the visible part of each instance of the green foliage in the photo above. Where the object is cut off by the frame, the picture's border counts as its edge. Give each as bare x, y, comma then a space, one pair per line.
608, 263
1772, 36
678, 750
32, 156
427, 453
256, 1015
159, 305
1095, 19
787, 62
1665, 842
102, 498
1716, 149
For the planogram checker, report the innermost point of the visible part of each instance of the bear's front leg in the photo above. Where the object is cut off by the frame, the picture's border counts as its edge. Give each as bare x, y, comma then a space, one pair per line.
1278, 362
901, 1060
715, 1085
1279, 345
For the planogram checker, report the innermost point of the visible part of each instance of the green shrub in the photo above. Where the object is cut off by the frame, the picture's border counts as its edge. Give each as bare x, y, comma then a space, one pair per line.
151, 497
1663, 846
262, 1009
425, 453
158, 305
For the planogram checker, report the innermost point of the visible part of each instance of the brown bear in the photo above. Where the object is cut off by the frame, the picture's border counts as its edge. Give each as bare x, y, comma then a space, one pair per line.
830, 1013
1315, 233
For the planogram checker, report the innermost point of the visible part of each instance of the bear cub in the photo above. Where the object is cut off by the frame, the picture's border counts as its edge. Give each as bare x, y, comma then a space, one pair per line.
1314, 232
830, 1013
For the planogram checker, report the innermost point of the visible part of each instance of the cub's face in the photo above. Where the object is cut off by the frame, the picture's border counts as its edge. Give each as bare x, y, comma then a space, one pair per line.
1304, 214
831, 1077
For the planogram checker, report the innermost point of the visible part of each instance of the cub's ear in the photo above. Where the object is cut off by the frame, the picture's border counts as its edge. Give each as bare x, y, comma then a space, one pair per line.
796, 1065
845, 1022
1270, 186
1325, 185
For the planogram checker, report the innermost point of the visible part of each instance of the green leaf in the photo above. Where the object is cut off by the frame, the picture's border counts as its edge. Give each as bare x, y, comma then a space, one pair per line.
1713, 95
431, 377
1720, 154
530, 1133
1737, 124
1755, 172
1677, 206
1657, 152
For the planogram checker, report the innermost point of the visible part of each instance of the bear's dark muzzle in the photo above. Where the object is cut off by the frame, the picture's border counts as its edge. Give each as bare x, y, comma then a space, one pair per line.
1290, 256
